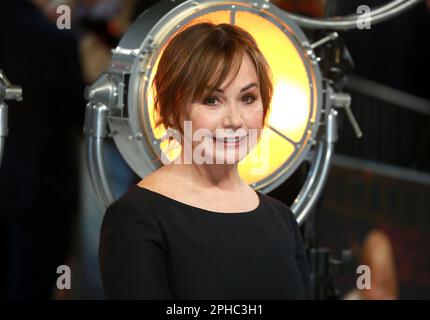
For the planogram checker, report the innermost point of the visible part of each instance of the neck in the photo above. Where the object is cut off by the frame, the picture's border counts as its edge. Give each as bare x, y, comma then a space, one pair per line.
208, 176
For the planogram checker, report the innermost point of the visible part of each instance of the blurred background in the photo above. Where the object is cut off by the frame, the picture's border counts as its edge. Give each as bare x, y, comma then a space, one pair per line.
376, 201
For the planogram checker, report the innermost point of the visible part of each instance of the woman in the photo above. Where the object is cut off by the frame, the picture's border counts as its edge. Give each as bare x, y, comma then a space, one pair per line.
193, 229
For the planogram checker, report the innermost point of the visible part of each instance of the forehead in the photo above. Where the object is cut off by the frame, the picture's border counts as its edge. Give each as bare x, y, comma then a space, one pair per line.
245, 75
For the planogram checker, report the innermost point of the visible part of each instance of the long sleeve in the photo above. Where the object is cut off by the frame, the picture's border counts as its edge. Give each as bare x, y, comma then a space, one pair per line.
131, 255
301, 258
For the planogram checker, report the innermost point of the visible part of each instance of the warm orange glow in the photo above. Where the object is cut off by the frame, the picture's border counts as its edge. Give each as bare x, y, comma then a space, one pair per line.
267, 157
289, 109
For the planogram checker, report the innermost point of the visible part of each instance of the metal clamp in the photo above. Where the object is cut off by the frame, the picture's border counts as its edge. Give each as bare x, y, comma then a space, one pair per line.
343, 100
7, 92
104, 96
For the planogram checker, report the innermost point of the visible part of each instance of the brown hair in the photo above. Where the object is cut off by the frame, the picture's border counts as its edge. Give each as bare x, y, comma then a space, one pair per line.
202, 56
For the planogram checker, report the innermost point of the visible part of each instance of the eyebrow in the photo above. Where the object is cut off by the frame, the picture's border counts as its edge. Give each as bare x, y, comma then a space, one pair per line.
243, 89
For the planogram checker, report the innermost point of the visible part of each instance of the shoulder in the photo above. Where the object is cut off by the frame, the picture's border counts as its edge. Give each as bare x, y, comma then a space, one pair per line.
280, 208
130, 220
278, 204
132, 206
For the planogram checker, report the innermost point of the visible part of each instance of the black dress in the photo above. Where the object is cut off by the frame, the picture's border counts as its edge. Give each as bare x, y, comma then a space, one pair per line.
155, 247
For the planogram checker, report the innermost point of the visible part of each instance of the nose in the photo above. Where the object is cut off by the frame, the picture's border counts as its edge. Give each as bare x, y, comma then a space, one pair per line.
233, 117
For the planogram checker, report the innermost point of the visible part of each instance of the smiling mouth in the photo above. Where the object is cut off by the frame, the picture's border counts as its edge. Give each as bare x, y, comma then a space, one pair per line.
235, 140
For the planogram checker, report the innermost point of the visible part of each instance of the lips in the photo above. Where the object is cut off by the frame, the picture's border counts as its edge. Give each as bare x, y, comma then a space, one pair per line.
228, 139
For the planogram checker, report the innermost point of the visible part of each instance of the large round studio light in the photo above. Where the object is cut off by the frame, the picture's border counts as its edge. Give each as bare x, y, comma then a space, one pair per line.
292, 121
121, 100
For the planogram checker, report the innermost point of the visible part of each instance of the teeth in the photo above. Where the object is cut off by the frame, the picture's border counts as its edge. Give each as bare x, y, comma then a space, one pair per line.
229, 140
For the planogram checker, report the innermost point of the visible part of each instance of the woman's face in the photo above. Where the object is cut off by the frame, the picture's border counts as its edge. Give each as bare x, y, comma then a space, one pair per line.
233, 112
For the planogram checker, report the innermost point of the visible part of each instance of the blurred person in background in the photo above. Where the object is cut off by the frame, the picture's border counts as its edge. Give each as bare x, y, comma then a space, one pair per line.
100, 29
38, 175
377, 254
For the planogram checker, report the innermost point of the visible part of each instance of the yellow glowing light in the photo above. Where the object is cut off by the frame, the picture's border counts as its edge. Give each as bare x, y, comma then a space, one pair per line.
288, 114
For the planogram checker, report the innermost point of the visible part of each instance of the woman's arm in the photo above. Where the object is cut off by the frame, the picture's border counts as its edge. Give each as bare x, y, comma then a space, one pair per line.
301, 258
131, 255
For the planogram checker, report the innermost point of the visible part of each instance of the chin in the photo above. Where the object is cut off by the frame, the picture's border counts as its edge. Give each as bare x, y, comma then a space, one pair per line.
228, 159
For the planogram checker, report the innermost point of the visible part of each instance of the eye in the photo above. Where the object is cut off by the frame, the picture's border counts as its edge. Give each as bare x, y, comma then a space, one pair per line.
249, 98
210, 101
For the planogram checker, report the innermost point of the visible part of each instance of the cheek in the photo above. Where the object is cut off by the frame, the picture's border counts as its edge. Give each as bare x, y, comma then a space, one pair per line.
204, 121
254, 118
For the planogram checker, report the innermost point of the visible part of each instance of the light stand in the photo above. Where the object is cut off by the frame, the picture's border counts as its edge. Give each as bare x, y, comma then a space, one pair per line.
7, 92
